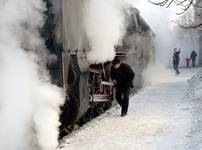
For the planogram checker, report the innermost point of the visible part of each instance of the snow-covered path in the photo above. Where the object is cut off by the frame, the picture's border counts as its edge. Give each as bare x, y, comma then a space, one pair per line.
160, 117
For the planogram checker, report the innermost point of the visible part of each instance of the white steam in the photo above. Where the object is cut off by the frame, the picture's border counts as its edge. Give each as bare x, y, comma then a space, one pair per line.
104, 26
29, 103
155, 73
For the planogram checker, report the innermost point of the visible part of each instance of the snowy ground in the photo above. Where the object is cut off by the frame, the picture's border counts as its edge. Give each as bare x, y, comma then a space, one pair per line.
164, 116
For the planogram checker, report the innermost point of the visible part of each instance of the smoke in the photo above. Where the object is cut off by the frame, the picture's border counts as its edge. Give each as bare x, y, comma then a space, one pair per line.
104, 26
156, 73
29, 103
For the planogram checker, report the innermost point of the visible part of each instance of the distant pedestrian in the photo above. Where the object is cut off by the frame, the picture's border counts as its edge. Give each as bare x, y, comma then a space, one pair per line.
193, 58
188, 61
123, 75
176, 60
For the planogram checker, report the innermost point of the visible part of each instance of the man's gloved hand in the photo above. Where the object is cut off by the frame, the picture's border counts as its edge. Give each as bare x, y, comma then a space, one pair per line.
114, 82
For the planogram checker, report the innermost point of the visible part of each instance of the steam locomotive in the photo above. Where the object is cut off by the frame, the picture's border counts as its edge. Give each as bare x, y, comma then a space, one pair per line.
87, 86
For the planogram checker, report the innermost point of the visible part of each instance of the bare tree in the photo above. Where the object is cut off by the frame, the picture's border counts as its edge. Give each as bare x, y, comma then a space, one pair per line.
184, 6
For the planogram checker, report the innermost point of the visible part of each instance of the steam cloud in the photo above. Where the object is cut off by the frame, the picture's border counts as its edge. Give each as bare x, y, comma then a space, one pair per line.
29, 103
104, 26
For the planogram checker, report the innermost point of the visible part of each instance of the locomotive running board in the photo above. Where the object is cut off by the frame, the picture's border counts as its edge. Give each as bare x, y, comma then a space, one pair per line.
107, 83
100, 98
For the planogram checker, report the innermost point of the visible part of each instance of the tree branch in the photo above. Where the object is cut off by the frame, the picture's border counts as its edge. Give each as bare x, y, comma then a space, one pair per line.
189, 26
185, 4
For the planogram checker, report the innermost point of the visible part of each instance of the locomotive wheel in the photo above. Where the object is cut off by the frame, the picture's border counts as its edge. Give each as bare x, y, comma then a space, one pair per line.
87, 117
99, 109
108, 105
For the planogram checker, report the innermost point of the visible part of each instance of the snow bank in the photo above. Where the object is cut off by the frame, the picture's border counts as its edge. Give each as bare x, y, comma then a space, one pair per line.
194, 93
196, 85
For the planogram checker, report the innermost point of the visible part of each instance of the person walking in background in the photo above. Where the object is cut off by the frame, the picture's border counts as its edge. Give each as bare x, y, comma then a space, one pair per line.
122, 75
193, 58
188, 61
176, 60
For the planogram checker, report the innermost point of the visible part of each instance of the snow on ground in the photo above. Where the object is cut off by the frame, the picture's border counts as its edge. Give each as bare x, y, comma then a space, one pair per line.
164, 116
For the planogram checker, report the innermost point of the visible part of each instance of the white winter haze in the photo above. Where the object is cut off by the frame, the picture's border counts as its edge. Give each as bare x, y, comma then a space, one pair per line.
168, 36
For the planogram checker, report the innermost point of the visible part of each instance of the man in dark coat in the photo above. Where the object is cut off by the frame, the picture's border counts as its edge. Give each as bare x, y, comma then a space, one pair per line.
123, 74
176, 60
193, 58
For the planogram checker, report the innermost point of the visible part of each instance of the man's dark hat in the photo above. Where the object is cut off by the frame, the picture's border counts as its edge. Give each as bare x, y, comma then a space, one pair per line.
116, 61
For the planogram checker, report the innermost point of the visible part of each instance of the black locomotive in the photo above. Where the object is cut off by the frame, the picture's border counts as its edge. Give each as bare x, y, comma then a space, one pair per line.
88, 92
